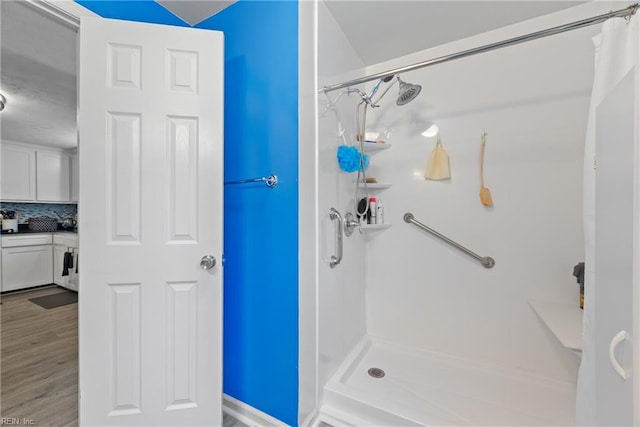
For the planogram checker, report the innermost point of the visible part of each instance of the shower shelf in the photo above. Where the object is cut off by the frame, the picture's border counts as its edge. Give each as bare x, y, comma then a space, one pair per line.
563, 320
374, 227
371, 147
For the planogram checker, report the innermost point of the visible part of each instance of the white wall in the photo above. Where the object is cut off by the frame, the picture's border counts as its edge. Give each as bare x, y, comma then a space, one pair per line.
341, 290
332, 301
307, 211
532, 100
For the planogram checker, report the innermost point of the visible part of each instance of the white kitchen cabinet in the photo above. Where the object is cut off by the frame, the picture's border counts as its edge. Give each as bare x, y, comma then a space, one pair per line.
58, 258
26, 266
52, 176
63, 242
72, 280
29, 239
30, 174
18, 173
35, 259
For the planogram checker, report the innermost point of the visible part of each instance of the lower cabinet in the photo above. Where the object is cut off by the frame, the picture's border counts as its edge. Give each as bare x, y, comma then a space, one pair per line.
58, 259
38, 259
63, 243
26, 266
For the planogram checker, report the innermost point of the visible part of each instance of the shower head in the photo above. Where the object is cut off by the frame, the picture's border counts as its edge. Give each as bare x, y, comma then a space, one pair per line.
407, 93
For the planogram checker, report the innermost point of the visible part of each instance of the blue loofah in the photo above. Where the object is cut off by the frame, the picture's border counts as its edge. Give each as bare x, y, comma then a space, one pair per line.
349, 159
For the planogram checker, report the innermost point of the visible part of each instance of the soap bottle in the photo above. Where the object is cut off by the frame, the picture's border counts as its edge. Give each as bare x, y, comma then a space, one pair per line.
379, 212
372, 209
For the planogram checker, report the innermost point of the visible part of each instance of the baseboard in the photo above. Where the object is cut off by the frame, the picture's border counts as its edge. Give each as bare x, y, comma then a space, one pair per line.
312, 419
330, 420
32, 288
248, 414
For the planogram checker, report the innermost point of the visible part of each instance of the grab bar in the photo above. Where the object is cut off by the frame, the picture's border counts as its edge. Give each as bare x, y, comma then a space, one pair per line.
487, 261
271, 181
335, 260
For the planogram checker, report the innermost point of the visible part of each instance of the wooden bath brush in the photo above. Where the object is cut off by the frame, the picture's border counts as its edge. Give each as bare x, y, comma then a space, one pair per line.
485, 194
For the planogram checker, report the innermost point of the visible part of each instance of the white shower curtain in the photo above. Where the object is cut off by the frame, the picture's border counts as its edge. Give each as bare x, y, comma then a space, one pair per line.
616, 53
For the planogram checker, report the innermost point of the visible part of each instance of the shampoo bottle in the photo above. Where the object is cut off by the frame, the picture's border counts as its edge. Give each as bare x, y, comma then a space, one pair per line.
372, 209
379, 212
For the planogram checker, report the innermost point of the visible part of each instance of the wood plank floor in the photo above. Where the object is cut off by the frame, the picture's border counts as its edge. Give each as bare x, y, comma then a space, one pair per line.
39, 360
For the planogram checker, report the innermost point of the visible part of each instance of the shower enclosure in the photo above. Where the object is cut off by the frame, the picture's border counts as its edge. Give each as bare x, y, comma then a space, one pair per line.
410, 330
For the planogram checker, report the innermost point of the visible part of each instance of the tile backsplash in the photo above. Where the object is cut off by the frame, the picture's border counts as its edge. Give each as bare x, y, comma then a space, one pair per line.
31, 210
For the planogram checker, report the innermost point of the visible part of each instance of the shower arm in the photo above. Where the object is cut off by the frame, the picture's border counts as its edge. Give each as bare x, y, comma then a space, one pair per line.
627, 12
373, 105
368, 99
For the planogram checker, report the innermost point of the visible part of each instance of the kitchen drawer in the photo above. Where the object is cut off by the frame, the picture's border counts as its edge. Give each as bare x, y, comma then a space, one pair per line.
26, 240
65, 239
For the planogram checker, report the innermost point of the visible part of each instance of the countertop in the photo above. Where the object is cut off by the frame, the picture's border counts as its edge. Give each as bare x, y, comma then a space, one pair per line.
24, 229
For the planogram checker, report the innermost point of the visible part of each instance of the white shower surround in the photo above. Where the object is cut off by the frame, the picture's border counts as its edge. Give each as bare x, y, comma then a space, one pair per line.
421, 294
341, 293
534, 231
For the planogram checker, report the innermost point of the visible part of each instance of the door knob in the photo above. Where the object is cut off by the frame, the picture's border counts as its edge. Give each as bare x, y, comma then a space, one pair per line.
207, 262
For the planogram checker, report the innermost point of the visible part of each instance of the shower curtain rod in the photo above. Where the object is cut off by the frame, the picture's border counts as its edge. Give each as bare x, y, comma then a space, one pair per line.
622, 13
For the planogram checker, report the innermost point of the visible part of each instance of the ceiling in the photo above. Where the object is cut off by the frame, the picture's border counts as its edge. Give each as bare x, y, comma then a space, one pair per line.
38, 77
195, 11
384, 30
38, 55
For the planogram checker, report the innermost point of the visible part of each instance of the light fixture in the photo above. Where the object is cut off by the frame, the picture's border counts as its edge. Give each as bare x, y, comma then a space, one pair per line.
431, 129
3, 102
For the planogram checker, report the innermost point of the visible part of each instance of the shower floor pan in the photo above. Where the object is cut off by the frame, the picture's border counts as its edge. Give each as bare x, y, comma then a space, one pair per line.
421, 388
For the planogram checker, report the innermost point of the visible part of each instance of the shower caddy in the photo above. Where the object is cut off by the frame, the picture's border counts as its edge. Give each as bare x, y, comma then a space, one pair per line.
371, 148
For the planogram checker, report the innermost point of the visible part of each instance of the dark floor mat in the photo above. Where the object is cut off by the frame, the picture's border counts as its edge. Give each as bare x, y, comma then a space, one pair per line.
56, 300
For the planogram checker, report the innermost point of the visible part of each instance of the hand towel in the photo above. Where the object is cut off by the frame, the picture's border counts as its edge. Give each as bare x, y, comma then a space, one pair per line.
67, 263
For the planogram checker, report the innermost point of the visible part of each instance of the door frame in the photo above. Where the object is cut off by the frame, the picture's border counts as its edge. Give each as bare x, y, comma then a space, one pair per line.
67, 12
635, 333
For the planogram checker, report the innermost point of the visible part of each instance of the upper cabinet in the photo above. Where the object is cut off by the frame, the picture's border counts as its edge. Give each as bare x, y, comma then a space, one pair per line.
30, 174
18, 173
52, 176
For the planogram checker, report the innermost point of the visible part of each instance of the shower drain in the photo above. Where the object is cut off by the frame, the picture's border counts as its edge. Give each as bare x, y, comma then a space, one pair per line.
376, 372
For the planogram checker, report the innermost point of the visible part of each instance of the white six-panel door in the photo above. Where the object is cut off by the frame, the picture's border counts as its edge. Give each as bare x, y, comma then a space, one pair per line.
151, 155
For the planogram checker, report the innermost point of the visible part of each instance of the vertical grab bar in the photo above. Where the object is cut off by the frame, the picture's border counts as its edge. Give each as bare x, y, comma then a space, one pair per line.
335, 260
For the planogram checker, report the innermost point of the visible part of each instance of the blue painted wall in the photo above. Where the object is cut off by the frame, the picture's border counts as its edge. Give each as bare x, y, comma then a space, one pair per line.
260, 224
